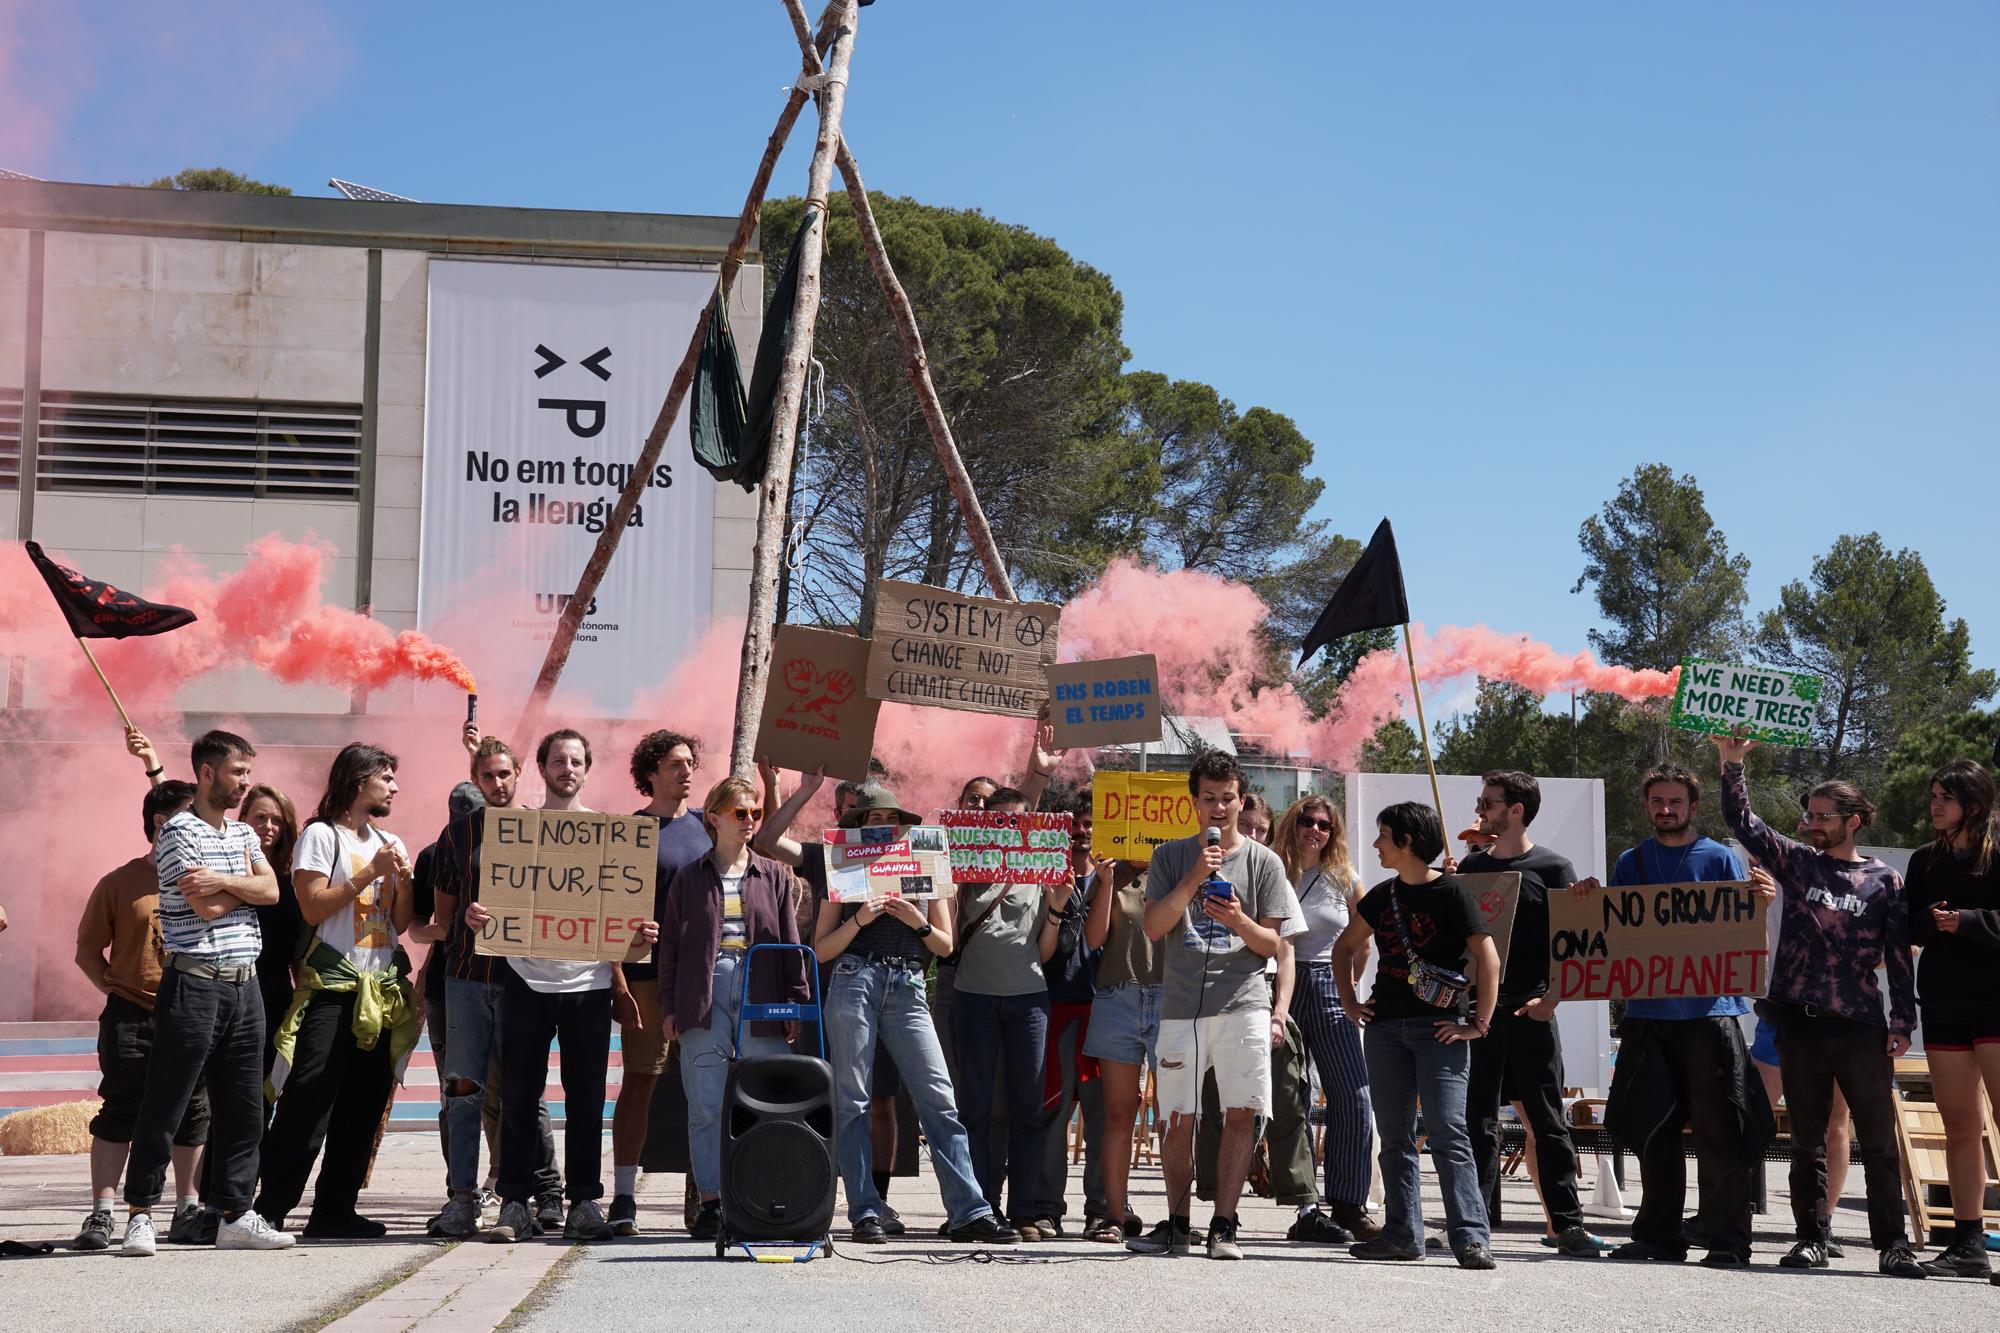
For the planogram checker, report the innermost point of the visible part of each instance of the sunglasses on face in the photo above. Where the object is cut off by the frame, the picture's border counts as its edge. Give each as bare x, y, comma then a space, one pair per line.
1323, 825
1489, 803
975, 802
745, 816
1815, 817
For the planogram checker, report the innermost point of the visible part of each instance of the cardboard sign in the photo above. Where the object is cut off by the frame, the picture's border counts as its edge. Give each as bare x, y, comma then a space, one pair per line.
1112, 702
946, 649
868, 864
992, 848
1498, 893
1756, 703
1132, 813
571, 884
815, 714
1658, 941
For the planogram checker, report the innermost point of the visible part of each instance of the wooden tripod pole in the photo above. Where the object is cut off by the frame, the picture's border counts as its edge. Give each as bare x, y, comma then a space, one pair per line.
649, 454
916, 363
1423, 729
91, 658
776, 496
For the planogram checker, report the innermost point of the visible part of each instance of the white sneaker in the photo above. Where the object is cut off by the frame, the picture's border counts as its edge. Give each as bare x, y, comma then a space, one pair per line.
252, 1232
140, 1239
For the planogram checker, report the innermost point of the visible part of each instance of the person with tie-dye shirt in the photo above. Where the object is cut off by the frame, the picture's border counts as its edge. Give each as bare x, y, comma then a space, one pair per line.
1844, 915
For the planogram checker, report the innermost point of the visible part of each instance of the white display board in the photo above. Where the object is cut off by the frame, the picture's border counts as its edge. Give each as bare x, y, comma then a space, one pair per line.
542, 382
1571, 821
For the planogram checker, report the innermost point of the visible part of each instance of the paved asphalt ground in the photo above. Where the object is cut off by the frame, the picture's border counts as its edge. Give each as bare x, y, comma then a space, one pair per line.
410, 1282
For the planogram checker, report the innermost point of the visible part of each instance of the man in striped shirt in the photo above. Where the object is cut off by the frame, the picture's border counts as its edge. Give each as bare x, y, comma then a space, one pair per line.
208, 1018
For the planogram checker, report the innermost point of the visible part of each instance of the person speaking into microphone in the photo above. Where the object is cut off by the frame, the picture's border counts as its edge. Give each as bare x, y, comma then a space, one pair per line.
1218, 899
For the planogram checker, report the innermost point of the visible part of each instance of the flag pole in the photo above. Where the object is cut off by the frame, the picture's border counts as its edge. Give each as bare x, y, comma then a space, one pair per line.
91, 658
1423, 729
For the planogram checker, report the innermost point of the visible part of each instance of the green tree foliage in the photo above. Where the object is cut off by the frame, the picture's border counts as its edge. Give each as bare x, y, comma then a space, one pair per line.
215, 180
1662, 573
1392, 749
1074, 461
1507, 728
1872, 626
1903, 816
1025, 350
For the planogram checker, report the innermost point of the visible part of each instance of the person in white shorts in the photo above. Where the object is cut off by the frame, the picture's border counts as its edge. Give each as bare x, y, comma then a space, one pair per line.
1217, 900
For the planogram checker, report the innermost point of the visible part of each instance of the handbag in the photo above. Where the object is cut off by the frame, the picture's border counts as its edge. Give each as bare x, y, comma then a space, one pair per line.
1437, 986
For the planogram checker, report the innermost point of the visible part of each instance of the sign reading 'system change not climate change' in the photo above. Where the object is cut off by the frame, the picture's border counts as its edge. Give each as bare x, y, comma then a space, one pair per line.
1756, 703
569, 884
953, 650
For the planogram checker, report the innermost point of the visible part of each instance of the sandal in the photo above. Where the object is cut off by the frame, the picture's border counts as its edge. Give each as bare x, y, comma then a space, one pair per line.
1105, 1229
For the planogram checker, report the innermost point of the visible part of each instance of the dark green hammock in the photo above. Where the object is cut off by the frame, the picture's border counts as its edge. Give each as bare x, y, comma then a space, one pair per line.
732, 429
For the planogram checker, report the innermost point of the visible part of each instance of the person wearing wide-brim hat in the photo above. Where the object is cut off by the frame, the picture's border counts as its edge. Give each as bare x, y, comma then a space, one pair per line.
874, 796
879, 951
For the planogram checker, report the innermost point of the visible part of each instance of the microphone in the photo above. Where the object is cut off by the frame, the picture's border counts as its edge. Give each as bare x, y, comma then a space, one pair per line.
1216, 886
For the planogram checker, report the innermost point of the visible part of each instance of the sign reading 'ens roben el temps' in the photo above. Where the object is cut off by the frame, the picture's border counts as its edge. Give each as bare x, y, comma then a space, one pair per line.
542, 380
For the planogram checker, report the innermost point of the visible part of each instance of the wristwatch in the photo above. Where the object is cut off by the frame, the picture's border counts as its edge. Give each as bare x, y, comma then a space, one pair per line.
925, 933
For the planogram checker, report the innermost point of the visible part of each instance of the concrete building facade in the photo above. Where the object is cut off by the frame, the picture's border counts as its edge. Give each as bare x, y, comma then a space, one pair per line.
189, 371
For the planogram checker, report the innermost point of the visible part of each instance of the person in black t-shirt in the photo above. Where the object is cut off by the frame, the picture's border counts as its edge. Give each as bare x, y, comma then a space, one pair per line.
1522, 1061
1416, 1036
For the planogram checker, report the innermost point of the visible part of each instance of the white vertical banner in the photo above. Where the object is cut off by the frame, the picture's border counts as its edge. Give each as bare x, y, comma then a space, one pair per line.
543, 380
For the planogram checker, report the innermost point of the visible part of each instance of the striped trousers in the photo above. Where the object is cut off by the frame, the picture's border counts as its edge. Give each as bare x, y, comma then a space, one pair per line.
1335, 1047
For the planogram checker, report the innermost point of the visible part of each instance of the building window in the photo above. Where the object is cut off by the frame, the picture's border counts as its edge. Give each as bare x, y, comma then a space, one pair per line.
106, 443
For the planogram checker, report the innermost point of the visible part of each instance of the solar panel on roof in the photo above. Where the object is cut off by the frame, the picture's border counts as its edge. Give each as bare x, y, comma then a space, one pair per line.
368, 192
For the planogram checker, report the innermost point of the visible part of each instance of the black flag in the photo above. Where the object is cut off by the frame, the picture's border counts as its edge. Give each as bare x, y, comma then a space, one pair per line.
1370, 597
97, 610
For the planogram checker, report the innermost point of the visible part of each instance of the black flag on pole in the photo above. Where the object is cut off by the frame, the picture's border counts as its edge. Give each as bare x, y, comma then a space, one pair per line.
1370, 597
98, 610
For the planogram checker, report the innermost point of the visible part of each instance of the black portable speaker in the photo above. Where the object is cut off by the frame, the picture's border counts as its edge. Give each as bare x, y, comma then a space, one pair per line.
778, 1171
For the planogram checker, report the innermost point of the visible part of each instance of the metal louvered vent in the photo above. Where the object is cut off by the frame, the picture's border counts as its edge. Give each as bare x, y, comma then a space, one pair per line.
10, 439
172, 446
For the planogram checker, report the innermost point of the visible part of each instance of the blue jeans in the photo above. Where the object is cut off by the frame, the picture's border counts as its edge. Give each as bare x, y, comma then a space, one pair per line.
868, 1003
471, 1013
706, 1054
1407, 1061
1017, 1026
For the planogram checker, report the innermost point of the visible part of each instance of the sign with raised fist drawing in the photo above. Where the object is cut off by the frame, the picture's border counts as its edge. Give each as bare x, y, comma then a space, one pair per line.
815, 712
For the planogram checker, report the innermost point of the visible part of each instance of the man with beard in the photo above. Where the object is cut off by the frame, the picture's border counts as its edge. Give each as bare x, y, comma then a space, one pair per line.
1844, 916
1520, 1060
663, 768
353, 1020
469, 1068
1683, 1062
573, 1002
208, 1017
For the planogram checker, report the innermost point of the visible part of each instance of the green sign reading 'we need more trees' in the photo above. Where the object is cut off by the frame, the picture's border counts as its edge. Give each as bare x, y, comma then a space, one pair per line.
1753, 702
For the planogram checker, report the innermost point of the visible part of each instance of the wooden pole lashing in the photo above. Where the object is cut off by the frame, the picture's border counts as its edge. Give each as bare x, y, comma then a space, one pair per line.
649, 454
776, 492
916, 362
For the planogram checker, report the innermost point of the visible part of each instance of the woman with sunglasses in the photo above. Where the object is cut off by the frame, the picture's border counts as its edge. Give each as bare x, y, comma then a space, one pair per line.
717, 909
877, 953
1312, 843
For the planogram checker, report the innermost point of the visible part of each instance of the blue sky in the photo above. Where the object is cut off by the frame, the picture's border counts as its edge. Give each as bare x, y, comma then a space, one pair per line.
1490, 258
